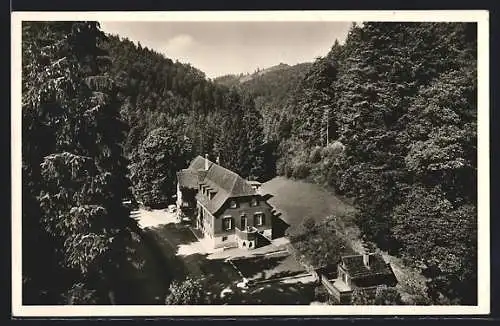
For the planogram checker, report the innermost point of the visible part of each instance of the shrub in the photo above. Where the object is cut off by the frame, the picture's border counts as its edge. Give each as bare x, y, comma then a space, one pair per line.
301, 171
189, 292
387, 296
283, 168
384, 296
321, 294
334, 149
315, 155
309, 223
320, 244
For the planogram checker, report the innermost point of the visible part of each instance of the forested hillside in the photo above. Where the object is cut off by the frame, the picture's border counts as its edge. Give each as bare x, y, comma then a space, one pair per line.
175, 113
271, 89
399, 100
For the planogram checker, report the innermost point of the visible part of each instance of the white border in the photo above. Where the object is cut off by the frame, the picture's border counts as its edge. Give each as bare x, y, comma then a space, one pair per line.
479, 16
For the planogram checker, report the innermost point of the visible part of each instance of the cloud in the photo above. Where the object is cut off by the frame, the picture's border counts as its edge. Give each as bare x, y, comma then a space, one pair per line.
179, 43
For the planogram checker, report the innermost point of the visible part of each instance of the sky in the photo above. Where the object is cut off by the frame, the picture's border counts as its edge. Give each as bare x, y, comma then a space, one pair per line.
220, 48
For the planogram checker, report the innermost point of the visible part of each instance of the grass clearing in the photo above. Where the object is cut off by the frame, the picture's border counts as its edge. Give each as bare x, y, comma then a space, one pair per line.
297, 200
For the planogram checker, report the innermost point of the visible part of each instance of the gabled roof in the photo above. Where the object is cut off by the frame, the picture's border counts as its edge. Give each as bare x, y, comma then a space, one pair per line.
224, 182
356, 268
198, 163
187, 179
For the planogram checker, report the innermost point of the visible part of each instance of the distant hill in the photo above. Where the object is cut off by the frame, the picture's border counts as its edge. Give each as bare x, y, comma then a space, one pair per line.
270, 88
236, 79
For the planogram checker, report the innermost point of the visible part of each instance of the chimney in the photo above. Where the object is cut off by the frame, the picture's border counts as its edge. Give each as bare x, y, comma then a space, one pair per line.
218, 160
366, 259
206, 162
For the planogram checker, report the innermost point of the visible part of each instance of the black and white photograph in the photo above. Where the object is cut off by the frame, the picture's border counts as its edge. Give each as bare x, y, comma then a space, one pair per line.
269, 162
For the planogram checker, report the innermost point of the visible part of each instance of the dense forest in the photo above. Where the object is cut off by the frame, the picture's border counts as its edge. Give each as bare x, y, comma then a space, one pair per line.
399, 100
387, 118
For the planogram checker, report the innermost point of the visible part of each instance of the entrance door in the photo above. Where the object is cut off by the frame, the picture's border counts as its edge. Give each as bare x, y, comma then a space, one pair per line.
243, 222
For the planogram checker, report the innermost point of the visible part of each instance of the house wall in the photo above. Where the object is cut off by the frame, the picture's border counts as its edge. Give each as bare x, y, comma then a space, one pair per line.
343, 297
179, 196
205, 221
343, 275
244, 207
225, 241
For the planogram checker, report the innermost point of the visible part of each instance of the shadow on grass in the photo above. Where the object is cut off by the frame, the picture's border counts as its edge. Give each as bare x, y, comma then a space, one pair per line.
147, 275
216, 274
173, 234
275, 294
256, 267
266, 197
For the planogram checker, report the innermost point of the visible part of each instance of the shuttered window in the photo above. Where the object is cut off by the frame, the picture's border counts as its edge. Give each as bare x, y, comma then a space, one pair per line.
227, 223
258, 219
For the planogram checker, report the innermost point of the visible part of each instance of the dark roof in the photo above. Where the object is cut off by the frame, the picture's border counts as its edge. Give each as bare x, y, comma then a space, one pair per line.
328, 269
356, 268
223, 182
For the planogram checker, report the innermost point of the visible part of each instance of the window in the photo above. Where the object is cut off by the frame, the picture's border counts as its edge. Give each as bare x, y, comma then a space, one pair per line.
259, 219
227, 223
254, 202
233, 204
224, 238
244, 222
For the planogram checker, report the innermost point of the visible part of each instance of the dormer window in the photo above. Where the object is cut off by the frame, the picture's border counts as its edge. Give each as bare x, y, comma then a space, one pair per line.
254, 202
233, 204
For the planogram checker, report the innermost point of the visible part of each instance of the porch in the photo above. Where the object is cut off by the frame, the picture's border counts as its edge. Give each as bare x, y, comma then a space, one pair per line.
247, 238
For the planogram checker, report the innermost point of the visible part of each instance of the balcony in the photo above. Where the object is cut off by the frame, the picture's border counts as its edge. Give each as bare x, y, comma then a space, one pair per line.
249, 233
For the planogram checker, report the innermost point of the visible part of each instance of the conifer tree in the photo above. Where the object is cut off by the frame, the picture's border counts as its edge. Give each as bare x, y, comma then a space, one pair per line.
74, 170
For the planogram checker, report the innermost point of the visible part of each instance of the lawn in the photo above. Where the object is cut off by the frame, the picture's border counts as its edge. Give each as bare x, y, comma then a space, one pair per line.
296, 200
261, 268
276, 293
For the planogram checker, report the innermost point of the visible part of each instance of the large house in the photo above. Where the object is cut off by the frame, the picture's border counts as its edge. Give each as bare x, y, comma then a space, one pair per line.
225, 207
